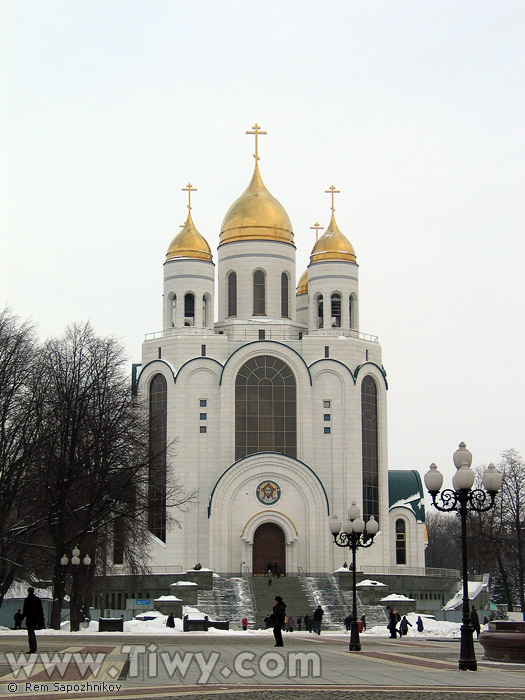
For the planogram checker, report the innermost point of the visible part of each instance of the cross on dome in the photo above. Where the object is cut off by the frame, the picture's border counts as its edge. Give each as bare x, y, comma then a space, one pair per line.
331, 190
316, 226
256, 132
189, 189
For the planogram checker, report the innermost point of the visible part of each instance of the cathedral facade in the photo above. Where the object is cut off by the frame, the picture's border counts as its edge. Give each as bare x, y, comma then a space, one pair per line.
278, 408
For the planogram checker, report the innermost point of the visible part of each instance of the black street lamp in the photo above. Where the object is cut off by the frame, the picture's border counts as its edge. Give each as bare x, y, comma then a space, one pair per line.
461, 499
355, 534
74, 622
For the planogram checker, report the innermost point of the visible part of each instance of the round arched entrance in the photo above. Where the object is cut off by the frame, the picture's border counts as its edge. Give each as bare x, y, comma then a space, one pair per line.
268, 547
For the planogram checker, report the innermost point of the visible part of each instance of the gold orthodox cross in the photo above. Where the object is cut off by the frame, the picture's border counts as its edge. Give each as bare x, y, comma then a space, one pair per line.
189, 189
331, 190
316, 226
256, 132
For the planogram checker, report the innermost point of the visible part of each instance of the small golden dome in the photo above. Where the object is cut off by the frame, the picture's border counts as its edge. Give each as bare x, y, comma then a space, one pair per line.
332, 245
189, 243
256, 215
302, 285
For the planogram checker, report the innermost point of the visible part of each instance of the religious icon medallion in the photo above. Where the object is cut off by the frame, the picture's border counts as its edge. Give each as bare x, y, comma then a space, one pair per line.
268, 492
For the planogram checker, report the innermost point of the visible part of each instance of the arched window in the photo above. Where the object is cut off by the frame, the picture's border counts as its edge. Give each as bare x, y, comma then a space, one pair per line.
265, 408
320, 311
232, 294
259, 293
401, 542
370, 448
189, 310
284, 295
204, 311
158, 432
335, 311
351, 309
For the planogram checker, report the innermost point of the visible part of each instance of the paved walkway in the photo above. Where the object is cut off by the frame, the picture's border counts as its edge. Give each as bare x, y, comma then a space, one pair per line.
246, 667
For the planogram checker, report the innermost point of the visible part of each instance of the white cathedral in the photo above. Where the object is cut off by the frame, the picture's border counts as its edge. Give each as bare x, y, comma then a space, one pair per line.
278, 408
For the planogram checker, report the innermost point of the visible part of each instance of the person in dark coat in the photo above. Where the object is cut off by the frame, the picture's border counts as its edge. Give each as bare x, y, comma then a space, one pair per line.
474, 620
318, 616
299, 623
277, 570
363, 621
348, 622
308, 623
393, 619
170, 622
403, 627
419, 624
34, 617
278, 615
18, 617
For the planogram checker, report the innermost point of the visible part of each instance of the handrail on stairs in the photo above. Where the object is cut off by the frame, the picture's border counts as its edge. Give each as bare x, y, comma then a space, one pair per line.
246, 574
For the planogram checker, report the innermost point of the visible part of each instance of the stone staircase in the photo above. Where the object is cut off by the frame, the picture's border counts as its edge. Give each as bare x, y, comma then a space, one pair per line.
291, 588
337, 604
230, 599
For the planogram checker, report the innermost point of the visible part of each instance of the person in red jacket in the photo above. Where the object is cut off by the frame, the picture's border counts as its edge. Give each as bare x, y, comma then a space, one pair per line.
244, 623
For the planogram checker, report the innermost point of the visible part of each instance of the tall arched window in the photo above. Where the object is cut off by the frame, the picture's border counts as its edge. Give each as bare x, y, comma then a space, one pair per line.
158, 432
370, 448
172, 308
335, 311
204, 311
284, 295
401, 542
259, 293
265, 408
320, 311
189, 310
232, 294
351, 309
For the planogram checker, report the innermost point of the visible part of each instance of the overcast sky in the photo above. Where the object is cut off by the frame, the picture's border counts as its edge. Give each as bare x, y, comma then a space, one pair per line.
414, 110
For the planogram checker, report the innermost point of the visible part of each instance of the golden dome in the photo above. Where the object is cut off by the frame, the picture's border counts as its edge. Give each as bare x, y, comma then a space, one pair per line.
189, 243
332, 245
302, 285
256, 215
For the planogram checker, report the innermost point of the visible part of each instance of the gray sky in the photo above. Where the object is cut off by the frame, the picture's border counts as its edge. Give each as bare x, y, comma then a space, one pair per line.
414, 110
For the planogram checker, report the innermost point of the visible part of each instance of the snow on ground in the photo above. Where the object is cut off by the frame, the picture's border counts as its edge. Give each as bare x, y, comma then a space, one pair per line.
157, 625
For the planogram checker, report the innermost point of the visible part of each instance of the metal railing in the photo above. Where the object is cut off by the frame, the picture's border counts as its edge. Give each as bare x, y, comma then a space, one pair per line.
235, 332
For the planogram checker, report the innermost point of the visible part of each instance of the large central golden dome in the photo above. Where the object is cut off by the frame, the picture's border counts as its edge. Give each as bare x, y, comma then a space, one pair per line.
333, 245
256, 215
189, 243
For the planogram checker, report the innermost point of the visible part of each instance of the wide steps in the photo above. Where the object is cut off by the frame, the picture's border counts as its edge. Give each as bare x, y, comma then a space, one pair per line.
292, 591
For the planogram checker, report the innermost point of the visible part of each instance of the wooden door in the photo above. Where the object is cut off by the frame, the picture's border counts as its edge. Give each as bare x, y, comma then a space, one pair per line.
268, 546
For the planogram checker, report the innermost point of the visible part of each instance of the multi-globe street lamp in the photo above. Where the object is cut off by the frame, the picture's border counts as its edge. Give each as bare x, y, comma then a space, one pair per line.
462, 500
75, 566
354, 534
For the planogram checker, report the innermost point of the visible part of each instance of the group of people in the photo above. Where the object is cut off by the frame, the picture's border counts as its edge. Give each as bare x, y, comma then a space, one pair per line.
273, 570
395, 619
362, 623
280, 621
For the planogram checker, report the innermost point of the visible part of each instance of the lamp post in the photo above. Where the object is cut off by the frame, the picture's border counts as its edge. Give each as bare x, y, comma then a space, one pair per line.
355, 534
75, 565
462, 500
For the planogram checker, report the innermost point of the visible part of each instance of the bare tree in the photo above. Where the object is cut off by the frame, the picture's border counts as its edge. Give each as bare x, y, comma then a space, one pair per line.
20, 433
443, 548
92, 470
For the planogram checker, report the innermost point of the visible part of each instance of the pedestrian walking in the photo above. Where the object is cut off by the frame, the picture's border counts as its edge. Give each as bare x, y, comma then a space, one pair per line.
270, 576
299, 623
34, 617
277, 570
403, 626
170, 622
278, 615
419, 624
363, 621
244, 623
307, 623
267, 621
289, 623
18, 617
474, 620
318, 616
348, 622
393, 619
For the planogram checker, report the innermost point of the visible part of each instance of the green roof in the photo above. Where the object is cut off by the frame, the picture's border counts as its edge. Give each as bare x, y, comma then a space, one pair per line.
405, 489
